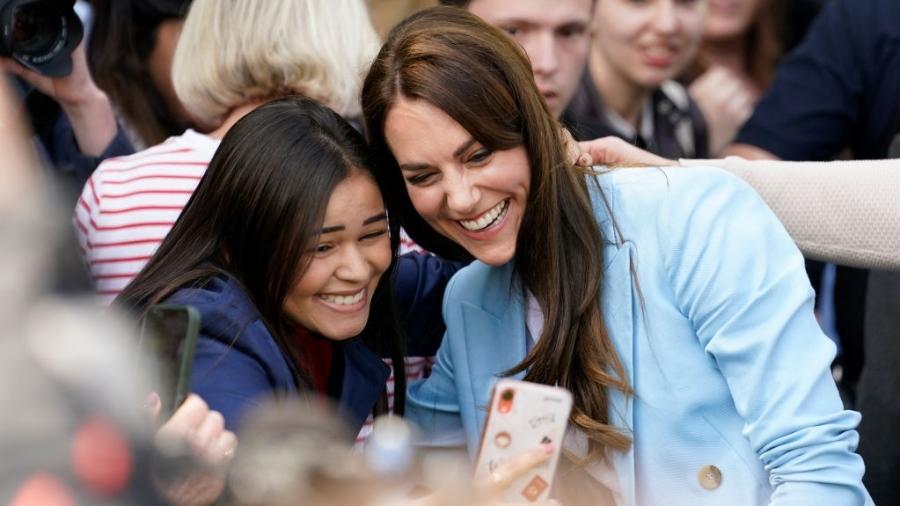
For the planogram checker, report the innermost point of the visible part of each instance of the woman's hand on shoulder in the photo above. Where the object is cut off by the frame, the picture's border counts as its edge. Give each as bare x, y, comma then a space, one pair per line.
615, 151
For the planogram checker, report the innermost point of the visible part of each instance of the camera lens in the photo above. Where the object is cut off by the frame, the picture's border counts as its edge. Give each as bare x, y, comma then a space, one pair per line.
36, 28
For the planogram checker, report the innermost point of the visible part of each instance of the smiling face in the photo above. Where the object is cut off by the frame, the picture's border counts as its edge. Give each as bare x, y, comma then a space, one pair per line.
556, 35
464, 191
729, 19
642, 43
334, 295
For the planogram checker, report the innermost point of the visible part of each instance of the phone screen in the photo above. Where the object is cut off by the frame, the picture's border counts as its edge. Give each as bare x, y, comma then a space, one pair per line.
169, 336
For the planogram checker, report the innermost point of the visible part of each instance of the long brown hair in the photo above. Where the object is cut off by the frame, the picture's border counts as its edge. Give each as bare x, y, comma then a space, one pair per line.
257, 211
482, 79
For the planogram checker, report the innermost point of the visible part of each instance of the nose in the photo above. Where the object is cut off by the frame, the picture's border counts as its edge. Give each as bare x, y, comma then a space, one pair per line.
354, 266
461, 193
665, 17
541, 51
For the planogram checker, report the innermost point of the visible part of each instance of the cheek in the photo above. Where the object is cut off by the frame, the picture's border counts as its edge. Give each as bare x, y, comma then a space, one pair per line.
307, 286
426, 201
381, 258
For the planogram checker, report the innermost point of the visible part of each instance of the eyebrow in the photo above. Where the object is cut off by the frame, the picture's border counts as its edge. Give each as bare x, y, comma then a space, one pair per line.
456, 154
367, 221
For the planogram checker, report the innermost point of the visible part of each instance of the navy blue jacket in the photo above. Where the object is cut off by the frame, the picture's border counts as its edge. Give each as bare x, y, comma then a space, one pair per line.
840, 87
238, 364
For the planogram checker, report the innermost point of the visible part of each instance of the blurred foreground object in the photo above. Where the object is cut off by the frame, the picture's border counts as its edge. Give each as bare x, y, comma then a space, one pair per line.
71, 432
296, 453
40, 34
301, 453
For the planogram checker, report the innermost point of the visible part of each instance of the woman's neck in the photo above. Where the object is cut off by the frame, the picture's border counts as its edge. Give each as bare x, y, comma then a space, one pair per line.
236, 114
728, 53
619, 93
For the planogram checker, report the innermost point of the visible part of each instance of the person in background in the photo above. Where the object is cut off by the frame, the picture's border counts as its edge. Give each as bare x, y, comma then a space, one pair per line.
73, 120
638, 49
736, 62
677, 270
556, 35
224, 67
131, 47
839, 88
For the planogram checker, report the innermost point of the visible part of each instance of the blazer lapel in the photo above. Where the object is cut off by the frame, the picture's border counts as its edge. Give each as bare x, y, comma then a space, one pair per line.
620, 305
495, 339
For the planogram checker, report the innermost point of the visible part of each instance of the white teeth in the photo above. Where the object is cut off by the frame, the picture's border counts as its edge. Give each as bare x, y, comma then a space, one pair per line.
344, 300
486, 219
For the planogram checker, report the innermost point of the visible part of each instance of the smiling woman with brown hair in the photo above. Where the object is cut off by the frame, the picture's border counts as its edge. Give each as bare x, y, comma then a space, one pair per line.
670, 302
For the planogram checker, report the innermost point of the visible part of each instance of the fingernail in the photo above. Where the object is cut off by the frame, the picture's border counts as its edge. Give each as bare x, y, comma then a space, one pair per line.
548, 447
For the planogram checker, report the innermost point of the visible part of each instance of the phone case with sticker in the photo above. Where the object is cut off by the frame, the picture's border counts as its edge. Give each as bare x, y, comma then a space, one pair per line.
521, 416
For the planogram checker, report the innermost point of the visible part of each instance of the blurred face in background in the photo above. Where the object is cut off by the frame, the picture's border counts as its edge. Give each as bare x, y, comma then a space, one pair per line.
556, 35
729, 19
642, 43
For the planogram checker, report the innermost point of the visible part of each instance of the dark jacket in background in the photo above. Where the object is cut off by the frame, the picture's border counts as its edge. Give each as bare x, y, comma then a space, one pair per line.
677, 126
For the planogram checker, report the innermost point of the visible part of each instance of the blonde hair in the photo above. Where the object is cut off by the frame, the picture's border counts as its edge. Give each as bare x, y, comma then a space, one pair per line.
232, 52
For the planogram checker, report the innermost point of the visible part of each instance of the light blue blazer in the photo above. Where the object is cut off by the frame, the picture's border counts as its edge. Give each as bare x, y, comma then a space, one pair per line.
716, 331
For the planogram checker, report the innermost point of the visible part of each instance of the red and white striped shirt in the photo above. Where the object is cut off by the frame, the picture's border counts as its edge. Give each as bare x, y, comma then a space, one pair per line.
130, 203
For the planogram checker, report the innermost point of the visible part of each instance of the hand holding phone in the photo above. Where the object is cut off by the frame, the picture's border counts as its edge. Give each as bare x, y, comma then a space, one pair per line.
169, 336
523, 416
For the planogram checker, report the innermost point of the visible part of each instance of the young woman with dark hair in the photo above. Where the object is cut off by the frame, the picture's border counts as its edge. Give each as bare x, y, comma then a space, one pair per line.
670, 302
286, 251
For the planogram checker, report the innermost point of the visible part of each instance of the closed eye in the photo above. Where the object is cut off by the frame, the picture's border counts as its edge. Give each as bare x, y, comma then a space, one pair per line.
420, 179
374, 235
480, 156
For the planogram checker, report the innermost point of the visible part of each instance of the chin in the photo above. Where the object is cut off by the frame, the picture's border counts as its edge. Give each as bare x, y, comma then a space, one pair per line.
343, 332
496, 258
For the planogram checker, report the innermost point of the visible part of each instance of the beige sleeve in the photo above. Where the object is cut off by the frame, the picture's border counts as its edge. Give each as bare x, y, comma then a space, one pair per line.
846, 212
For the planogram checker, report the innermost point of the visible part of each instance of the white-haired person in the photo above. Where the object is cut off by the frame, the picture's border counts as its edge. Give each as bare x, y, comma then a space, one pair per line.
232, 56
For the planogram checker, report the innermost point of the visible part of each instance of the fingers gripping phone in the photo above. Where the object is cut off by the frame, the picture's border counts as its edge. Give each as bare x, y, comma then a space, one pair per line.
169, 335
522, 416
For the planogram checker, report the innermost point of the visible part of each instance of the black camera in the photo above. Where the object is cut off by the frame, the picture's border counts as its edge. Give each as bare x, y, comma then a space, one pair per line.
40, 34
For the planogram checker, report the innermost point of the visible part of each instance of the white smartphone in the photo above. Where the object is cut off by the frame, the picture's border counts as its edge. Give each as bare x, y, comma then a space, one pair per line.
521, 416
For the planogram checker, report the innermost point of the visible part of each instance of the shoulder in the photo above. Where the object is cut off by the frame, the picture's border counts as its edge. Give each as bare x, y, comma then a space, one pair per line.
226, 310
187, 149
642, 193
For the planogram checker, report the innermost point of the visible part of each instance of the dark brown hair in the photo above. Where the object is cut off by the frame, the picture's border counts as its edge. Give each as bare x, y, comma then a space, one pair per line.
123, 36
482, 79
255, 214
